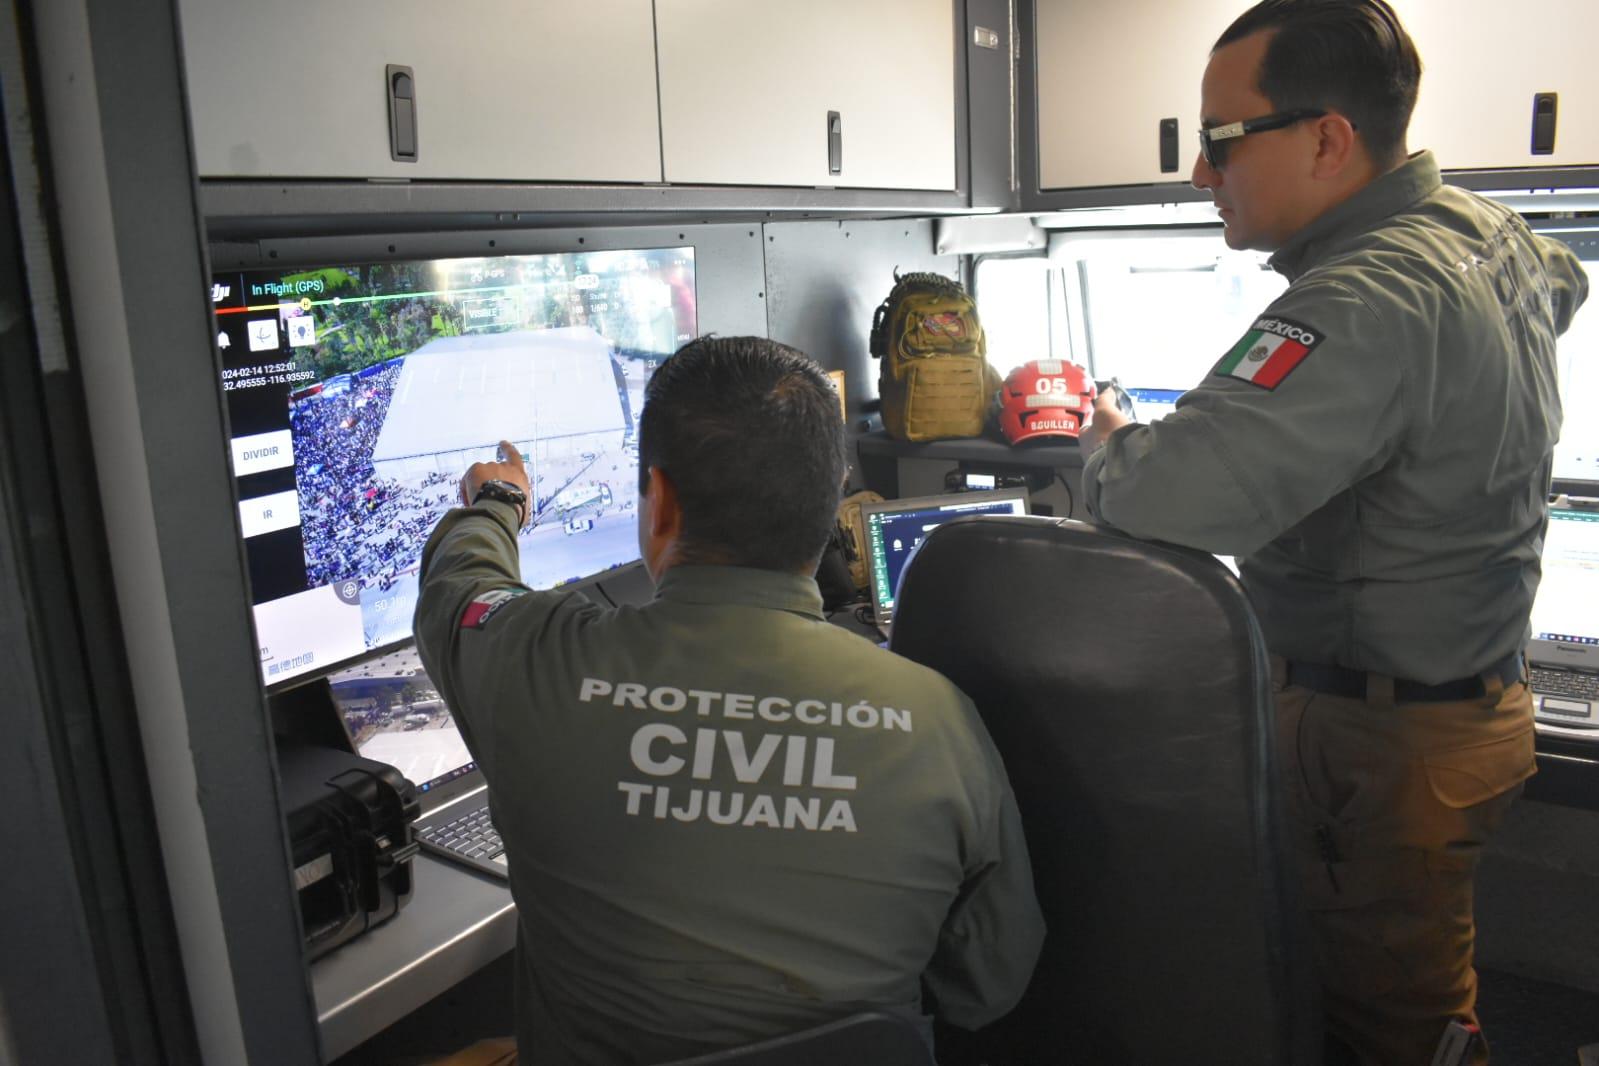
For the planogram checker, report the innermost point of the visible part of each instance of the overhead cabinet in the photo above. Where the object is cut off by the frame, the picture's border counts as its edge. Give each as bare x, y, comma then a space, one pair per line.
822, 93
1109, 74
829, 93
495, 91
1483, 71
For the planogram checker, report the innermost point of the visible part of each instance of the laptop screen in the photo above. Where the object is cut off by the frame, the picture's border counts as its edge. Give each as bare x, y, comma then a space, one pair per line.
895, 527
1151, 405
1565, 617
394, 715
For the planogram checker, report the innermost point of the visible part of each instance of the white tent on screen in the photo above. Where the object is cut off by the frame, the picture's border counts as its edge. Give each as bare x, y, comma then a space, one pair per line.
551, 392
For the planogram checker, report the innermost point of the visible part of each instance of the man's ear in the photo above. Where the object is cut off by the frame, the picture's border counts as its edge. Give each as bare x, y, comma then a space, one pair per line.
665, 512
1338, 146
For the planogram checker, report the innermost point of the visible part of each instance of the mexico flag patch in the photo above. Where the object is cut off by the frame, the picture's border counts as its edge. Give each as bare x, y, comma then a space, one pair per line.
1269, 351
480, 610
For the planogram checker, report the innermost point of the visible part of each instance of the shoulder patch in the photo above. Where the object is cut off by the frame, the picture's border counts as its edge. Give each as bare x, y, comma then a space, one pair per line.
486, 606
1269, 352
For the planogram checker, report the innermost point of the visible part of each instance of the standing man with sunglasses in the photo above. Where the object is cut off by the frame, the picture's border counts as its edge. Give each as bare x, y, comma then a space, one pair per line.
1376, 451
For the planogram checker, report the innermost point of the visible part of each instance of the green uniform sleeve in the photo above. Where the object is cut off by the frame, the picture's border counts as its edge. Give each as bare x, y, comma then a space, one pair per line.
470, 577
1240, 462
994, 932
1568, 283
471, 551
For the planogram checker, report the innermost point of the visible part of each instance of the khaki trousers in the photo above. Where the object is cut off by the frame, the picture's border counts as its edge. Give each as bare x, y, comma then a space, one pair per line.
1390, 806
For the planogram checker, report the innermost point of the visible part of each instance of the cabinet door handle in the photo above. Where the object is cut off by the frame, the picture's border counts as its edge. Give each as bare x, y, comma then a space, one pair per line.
402, 113
1168, 145
1545, 107
835, 143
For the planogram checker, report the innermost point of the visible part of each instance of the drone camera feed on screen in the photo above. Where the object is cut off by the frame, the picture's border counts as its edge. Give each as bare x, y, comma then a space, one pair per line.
358, 395
394, 714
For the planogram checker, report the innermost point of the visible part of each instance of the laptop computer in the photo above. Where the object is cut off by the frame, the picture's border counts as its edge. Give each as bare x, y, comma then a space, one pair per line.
1563, 656
895, 527
1153, 404
392, 713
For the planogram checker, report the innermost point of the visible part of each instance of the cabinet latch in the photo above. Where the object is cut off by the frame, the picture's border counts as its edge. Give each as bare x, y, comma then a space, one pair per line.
1544, 108
402, 113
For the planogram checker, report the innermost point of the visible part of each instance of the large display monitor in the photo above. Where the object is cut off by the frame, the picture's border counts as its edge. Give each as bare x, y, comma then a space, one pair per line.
358, 394
1576, 469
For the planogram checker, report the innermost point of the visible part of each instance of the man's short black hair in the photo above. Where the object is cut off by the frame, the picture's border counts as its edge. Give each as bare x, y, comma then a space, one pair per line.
1349, 56
749, 432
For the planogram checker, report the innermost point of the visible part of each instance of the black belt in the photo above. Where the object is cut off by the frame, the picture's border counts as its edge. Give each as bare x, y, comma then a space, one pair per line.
1342, 681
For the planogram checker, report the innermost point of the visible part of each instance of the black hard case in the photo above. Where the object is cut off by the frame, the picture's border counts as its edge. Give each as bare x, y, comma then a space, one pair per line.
349, 824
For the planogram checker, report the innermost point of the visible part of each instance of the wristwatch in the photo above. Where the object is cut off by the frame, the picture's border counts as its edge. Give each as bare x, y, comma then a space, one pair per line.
505, 492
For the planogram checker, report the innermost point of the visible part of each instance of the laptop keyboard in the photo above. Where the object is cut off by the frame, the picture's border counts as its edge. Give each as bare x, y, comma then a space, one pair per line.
472, 835
1565, 683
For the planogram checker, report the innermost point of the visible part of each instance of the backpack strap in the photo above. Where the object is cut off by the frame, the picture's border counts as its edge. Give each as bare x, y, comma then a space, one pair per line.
877, 343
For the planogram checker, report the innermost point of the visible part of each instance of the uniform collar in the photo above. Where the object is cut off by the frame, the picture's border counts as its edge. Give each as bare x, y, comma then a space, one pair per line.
742, 586
1388, 195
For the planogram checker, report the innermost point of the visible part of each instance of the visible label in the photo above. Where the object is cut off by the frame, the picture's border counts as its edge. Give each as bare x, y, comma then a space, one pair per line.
313, 871
785, 776
1271, 349
268, 514
486, 606
259, 452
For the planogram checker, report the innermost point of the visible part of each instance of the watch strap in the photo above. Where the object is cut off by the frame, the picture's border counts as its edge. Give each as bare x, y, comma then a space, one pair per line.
505, 492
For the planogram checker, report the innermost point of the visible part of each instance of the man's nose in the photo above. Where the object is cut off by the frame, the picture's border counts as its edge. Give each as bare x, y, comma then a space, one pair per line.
1204, 175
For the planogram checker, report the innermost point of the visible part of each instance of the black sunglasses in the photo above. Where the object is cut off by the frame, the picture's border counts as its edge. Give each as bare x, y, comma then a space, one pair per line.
1214, 142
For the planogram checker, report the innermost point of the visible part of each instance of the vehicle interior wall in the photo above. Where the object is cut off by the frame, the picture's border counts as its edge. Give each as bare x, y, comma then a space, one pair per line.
128, 332
1536, 891
825, 280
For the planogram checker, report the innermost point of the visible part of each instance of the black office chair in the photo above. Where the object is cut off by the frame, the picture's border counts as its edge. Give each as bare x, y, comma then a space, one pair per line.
1127, 686
874, 1038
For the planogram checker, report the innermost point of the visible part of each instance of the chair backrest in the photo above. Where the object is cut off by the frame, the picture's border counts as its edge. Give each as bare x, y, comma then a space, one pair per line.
1127, 686
874, 1038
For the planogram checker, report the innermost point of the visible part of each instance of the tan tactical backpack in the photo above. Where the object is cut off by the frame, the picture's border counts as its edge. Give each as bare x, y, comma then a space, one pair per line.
934, 380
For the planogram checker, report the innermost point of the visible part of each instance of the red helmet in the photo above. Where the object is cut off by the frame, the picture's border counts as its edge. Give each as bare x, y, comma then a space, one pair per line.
1045, 398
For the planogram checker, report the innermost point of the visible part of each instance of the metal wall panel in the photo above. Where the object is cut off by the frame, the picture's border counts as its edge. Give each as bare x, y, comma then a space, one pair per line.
824, 280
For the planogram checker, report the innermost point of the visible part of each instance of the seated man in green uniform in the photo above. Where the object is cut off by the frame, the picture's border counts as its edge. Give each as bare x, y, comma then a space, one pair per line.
726, 819
1376, 451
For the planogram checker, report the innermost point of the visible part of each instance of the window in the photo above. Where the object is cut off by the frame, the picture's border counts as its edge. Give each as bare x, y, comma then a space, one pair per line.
1153, 309
1014, 301
1158, 310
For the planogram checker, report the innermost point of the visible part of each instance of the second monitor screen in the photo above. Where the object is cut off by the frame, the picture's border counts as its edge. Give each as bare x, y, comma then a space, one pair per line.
357, 396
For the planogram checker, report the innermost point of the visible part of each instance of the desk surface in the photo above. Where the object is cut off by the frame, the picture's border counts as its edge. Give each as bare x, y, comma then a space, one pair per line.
880, 456
456, 923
